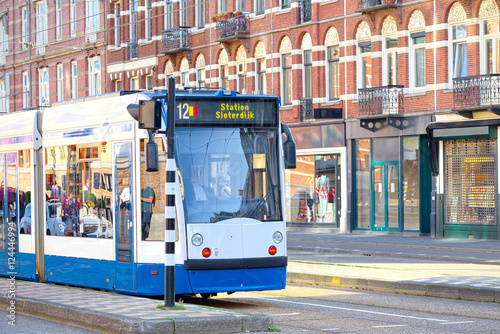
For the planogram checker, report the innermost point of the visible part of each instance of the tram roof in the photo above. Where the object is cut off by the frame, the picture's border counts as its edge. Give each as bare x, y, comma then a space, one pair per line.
90, 112
14, 124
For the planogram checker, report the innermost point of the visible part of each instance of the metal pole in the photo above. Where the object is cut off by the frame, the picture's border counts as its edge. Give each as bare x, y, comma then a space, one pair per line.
170, 196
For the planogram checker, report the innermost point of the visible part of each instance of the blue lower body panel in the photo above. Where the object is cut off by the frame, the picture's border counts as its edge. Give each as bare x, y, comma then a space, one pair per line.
148, 279
24, 266
232, 280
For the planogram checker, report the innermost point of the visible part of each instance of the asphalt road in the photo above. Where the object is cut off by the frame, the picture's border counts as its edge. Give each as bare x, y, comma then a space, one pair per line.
31, 325
306, 309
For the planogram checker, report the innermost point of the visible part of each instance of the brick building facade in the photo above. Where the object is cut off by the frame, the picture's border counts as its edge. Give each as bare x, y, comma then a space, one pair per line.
390, 101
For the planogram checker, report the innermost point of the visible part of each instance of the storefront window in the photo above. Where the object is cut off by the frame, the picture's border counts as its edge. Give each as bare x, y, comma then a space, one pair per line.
363, 183
470, 166
315, 189
411, 193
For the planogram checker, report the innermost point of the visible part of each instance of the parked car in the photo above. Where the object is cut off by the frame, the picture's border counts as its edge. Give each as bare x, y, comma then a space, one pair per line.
55, 225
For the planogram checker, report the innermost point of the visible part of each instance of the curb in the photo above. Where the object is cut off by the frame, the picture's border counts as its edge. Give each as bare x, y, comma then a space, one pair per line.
407, 256
110, 323
409, 288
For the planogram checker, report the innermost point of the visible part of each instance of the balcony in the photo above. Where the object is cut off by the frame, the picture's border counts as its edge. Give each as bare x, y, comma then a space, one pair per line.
132, 49
380, 106
306, 109
236, 27
304, 11
365, 6
176, 40
480, 92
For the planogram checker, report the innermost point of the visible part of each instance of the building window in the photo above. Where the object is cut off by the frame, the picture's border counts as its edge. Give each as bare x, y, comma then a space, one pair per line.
149, 82
391, 61
222, 6
59, 19
200, 13
74, 80
134, 17
26, 90
72, 18
242, 78
285, 3
223, 75
94, 76
117, 25
185, 78
43, 79
333, 72
134, 83
92, 19
411, 188
490, 61
3, 96
259, 6
417, 60
4, 40
169, 14
307, 59
363, 183
183, 12
286, 70
364, 65
118, 85
459, 51
24, 27
41, 23
60, 83
148, 22
260, 80
240, 5
200, 75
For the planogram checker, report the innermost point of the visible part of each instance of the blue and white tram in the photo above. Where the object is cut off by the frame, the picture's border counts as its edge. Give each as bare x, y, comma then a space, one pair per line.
79, 208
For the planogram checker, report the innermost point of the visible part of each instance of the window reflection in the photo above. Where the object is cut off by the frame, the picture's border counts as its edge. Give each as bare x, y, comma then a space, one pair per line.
78, 191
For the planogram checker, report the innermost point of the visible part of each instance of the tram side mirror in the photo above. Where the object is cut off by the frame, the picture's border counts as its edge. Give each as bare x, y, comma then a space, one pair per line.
151, 154
289, 149
150, 115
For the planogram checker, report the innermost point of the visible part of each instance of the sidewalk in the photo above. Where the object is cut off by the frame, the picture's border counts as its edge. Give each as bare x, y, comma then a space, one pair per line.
112, 313
448, 268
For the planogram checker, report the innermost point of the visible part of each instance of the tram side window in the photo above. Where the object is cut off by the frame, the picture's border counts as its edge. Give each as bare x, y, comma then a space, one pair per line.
152, 196
78, 190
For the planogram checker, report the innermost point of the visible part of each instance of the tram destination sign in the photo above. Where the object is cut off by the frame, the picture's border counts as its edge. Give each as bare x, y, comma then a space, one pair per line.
226, 111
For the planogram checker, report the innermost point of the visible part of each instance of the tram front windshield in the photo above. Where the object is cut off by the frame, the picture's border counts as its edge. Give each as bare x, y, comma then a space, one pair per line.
229, 173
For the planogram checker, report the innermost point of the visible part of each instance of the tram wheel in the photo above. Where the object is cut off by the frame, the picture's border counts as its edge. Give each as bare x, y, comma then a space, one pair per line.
206, 295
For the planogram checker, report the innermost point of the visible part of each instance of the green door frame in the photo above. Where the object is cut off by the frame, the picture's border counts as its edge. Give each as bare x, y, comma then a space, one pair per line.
385, 194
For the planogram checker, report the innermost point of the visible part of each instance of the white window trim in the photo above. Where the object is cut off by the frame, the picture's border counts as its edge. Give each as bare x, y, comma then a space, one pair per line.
74, 80
44, 87
304, 74
263, 88
60, 83
412, 64
451, 68
282, 81
482, 48
59, 20
26, 89
359, 65
72, 14
328, 74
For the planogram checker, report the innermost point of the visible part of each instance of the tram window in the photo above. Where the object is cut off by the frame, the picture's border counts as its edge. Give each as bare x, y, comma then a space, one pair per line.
24, 181
152, 196
79, 205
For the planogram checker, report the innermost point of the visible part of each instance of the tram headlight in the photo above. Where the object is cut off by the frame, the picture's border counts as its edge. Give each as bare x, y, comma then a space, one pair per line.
277, 237
197, 239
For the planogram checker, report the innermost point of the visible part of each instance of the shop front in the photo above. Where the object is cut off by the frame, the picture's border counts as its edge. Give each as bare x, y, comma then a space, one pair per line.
464, 157
316, 189
391, 178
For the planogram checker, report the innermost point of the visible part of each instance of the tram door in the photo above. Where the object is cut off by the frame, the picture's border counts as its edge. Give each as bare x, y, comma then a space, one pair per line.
122, 171
8, 214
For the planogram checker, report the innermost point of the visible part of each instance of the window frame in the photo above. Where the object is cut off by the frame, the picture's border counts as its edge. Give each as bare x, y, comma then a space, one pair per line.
60, 82
74, 80
223, 75
307, 84
94, 76
148, 20
260, 75
24, 27
390, 55
413, 61
26, 89
169, 14
59, 20
286, 71
362, 73
333, 80
72, 14
44, 88
117, 20
41, 22
454, 44
200, 14
494, 37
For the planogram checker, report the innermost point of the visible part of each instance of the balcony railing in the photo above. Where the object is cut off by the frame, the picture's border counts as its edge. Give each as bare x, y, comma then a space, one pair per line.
476, 91
176, 39
132, 49
384, 100
306, 109
305, 11
234, 27
374, 5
